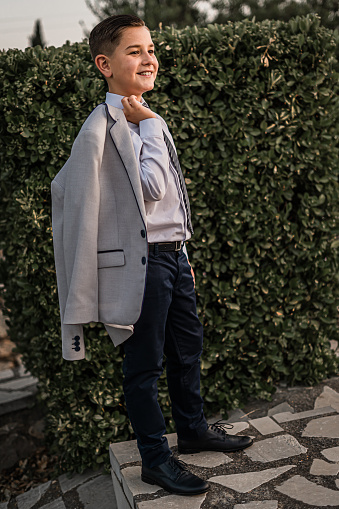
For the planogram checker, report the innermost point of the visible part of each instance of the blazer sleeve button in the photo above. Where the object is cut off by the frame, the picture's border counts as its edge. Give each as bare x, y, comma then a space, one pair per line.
143, 233
143, 260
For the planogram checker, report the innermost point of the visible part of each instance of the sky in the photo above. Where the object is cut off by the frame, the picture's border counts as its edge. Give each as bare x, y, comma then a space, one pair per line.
60, 21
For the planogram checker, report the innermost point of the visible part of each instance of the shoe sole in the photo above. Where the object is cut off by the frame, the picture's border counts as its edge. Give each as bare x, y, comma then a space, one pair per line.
150, 481
194, 451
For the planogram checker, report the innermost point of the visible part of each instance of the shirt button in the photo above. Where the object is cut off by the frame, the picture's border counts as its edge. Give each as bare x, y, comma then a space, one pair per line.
143, 233
143, 260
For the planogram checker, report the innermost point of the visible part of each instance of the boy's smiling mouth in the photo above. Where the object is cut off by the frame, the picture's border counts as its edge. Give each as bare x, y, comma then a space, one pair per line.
145, 73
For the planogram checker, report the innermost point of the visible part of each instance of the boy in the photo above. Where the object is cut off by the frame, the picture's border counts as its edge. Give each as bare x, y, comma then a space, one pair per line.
120, 206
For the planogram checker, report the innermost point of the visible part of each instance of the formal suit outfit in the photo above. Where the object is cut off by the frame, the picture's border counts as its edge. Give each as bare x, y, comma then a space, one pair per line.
114, 203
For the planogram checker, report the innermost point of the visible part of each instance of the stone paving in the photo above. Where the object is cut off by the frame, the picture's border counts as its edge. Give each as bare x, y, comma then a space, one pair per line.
293, 464
91, 490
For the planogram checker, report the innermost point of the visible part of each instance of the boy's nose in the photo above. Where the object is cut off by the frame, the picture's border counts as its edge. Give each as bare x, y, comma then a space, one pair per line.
148, 59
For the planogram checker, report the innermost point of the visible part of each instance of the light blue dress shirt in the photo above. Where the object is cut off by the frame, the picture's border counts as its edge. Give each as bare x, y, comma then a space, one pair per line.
165, 210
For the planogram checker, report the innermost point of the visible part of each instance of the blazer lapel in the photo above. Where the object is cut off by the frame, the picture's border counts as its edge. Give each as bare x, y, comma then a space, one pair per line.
121, 138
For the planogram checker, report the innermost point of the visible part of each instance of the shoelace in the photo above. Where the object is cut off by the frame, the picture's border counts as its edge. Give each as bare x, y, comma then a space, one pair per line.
178, 466
219, 427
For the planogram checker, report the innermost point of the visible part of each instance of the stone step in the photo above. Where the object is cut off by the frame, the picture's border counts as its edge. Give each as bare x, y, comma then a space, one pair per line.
293, 461
132, 493
17, 389
254, 478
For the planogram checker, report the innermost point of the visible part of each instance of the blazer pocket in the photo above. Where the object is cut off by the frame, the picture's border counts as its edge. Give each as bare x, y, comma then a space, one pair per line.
111, 259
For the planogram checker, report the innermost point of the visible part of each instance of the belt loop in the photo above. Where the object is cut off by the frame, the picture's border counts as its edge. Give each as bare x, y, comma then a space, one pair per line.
156, 249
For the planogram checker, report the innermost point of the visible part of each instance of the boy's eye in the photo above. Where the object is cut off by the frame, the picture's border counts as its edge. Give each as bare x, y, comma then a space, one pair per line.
136, 52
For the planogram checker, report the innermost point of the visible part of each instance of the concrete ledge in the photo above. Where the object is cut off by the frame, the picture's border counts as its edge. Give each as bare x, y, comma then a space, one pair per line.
126, 473
127, 483
121, 499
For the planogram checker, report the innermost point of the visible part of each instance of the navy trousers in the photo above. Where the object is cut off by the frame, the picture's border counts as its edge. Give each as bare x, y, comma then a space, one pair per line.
168, 325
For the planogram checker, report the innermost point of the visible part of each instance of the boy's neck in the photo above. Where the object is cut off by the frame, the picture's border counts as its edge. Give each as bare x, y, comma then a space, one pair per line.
139, 97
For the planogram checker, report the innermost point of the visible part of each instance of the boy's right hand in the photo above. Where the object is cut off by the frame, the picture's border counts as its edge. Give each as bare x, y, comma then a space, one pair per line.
134, 111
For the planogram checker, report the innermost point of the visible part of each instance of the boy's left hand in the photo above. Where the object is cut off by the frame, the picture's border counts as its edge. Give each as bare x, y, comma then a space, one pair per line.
134, 111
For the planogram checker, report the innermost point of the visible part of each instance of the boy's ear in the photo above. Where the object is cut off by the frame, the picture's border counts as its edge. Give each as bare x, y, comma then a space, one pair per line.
104, 65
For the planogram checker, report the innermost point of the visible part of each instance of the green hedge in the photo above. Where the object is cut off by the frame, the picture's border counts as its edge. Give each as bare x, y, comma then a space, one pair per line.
254, 112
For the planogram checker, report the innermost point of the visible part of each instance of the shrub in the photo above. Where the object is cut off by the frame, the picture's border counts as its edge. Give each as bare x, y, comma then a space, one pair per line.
254, 112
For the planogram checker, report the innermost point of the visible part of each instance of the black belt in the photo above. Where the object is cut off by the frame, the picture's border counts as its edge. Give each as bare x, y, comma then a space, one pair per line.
165, 246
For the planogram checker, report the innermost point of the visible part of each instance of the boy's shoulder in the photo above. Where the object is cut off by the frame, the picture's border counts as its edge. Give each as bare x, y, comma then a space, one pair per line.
95, 119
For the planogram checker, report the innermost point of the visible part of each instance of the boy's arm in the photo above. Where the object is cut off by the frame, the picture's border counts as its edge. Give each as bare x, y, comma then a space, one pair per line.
154, 161
153, 158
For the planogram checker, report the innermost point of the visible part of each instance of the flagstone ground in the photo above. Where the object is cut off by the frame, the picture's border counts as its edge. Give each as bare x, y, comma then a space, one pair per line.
293, 464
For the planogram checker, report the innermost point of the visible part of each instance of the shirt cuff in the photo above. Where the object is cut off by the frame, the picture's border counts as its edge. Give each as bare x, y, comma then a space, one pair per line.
150, 128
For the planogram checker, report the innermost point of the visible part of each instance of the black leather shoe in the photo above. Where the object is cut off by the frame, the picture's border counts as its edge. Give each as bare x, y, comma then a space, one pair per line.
174, 476
215, 439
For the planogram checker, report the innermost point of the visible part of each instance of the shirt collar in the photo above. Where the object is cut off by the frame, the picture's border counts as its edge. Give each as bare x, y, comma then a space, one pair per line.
115, 100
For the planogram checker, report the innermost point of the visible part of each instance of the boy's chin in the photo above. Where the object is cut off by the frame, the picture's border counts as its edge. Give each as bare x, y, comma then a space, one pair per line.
148, 88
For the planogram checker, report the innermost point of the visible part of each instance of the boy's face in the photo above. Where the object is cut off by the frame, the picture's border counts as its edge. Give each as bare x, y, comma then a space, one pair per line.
133, 65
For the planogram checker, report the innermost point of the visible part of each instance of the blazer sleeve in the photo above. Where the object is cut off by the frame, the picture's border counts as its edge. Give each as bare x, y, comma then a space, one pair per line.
78, 237
73, 347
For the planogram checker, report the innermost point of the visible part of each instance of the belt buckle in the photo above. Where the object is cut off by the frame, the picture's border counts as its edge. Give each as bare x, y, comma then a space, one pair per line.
177, 245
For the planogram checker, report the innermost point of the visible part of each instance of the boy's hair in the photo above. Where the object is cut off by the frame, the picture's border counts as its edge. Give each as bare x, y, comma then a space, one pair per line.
105, 37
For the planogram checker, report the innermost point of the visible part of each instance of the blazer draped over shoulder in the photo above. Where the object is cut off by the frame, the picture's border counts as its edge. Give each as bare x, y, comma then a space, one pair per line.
99, 232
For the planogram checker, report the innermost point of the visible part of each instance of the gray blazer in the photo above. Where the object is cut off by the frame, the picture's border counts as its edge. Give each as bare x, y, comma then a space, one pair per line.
99, 232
